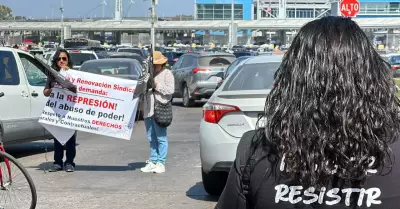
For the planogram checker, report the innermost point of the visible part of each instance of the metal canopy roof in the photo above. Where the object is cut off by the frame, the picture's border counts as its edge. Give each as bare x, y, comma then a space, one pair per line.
130, 25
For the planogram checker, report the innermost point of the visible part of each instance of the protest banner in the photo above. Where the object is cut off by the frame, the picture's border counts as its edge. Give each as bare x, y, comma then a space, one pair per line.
102, 105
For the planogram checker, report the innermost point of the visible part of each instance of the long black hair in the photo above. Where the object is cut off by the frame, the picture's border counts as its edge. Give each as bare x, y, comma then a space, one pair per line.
55, 58
333, 109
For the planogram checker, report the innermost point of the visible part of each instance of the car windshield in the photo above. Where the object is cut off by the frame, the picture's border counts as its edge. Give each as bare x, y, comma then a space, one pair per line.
216, 60
110, 68
80, 58
394, 60
252, 77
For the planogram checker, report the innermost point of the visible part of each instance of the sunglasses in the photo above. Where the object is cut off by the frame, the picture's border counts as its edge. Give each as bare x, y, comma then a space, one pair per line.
62, 58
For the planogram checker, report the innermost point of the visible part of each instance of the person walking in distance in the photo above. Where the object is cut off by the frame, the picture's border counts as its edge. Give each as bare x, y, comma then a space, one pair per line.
157, 135
61, 61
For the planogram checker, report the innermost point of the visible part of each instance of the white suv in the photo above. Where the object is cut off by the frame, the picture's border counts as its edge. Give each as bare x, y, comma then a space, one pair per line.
21, 98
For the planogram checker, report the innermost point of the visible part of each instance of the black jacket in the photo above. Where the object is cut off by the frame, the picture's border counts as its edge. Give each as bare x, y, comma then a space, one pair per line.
263, 191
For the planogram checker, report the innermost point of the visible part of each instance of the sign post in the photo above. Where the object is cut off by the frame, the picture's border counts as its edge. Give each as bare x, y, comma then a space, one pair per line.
349, 8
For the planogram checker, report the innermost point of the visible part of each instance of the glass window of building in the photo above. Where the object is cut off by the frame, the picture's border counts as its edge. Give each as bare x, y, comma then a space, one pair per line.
219, 11
379, 8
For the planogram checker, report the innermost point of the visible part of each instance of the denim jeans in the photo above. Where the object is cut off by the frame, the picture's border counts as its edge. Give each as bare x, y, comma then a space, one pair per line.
70, 151
158, 140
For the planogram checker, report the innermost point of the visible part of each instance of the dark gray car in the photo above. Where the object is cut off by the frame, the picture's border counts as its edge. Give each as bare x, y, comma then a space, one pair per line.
117, 55
197, 75
120, 68
132, 50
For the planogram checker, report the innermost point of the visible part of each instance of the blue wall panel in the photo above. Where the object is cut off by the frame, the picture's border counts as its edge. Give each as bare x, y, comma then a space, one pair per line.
246, 5
247, 11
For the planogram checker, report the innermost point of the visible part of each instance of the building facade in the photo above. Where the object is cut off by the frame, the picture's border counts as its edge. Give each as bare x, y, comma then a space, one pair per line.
262, 9
222, 9
291, 8
379, 8
285, 9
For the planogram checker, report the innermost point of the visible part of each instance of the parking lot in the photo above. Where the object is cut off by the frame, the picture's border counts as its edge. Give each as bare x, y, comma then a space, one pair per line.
108, 170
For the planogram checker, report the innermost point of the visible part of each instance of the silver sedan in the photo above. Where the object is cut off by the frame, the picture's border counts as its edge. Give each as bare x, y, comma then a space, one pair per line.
233, 109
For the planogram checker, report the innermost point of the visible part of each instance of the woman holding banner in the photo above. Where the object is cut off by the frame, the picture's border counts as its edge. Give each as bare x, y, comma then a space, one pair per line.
163, 89
61, 61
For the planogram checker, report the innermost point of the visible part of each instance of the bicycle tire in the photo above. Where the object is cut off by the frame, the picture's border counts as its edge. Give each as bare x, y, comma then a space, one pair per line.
27, 176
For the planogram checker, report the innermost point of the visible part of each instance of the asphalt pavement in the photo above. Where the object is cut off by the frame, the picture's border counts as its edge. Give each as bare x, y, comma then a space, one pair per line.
108, 170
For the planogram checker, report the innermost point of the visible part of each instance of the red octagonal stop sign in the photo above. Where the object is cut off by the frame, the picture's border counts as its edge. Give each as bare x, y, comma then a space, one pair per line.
349, 8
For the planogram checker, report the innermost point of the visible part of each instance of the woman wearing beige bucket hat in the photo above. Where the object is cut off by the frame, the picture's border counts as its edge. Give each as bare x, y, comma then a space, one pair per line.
163, 89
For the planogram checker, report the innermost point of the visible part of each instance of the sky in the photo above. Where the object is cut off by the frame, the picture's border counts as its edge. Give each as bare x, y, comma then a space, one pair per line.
93, 8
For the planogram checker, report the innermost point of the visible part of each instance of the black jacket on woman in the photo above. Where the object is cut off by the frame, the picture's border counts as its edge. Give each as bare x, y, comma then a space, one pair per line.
272, 190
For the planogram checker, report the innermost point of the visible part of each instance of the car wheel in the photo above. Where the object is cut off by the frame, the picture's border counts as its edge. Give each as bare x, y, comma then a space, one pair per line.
214, 182
187, 102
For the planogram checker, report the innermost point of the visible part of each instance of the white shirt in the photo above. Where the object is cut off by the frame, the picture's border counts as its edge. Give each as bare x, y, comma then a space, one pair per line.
163, 92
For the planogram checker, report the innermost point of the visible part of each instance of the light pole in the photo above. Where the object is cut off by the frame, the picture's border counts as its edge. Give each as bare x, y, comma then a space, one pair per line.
62, 22
153, 21
232, 34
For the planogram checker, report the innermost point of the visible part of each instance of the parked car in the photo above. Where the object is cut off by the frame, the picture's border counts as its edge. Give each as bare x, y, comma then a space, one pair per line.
238, 48
394, 61
172, 57
120, 68
198, 74
232, 110
78, 57
47, 55
21, 97
117, 55
102, 55
132, 50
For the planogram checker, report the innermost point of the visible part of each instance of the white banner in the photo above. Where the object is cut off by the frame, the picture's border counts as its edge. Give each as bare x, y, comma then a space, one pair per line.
103, 105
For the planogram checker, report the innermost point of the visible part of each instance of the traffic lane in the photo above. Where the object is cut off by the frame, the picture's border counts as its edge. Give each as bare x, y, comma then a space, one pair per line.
108, 171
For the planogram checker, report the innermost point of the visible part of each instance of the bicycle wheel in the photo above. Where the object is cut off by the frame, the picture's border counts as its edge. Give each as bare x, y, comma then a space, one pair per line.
12, 189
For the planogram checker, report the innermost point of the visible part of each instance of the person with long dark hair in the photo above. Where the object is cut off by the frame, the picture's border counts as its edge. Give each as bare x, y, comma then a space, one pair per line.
61, 61
331, 130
